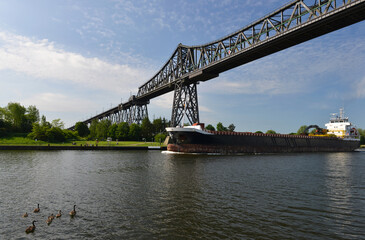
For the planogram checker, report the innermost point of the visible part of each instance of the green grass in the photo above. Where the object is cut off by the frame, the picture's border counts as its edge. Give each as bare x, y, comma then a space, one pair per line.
21, 141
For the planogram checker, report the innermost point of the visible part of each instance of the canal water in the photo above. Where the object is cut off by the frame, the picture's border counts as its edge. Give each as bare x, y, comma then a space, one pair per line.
153, 195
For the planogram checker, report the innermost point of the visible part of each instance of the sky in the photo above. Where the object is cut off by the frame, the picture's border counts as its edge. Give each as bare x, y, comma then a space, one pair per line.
73, 59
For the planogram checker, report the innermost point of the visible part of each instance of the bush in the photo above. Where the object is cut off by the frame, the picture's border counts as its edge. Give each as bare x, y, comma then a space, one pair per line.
160, 137
55, 134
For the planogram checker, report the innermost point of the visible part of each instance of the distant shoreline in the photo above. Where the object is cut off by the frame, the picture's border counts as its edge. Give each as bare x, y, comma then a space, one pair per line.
55, 147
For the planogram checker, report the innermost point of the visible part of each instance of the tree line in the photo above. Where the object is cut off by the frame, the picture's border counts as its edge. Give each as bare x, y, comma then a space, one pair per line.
15, 118
147, 130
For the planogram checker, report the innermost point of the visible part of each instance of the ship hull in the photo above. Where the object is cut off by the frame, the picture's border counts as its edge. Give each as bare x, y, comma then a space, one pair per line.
236, 143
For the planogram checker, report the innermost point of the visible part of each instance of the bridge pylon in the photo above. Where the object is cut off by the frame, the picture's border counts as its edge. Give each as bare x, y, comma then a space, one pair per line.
185, 104
133, 112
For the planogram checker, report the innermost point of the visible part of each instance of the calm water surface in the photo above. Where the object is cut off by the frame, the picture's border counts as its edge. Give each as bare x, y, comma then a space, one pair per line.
151, 195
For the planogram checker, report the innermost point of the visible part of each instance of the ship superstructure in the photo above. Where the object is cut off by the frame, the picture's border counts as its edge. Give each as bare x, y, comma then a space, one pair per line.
340, 126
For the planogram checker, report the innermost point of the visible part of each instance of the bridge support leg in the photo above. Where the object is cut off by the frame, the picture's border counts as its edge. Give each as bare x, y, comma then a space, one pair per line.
137, 113
185, 103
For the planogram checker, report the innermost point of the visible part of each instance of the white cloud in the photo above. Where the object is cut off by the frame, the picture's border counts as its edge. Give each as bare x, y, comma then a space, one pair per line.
42, 60
164, 101
56, 102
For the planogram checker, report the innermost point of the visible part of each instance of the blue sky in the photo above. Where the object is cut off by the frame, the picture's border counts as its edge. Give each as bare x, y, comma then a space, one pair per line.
73, 59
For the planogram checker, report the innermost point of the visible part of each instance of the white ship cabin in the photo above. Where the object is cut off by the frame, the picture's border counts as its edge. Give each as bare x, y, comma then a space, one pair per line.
340, 126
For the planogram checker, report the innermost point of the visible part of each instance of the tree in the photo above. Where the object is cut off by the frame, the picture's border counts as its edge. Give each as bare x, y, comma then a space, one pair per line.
270, 132
160, 137
112, 131
92, 129
258, 132
32, 114
44, 122
210, 127
220, 127
102, 129
301, 129
362, 135
57, 123
158, 126
82, 129
134, 132
122, 131
146, 128
55, 134
231, 127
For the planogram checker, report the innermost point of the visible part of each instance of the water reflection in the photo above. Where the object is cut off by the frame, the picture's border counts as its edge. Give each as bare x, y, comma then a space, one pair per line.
149, 195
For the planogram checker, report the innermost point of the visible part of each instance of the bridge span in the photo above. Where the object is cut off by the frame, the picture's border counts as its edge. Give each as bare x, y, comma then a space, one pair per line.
295, 22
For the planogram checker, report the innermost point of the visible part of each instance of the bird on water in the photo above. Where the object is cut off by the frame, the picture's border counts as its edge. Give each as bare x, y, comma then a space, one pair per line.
30, 228
37, 209
25, 215
58, 214
49, 220
73, 212
51, 217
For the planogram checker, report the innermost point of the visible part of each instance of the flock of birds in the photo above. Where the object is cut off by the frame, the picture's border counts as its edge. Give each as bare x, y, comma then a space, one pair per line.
49, 220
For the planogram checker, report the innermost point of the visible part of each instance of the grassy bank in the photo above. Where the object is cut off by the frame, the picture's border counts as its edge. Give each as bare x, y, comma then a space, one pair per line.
23, 141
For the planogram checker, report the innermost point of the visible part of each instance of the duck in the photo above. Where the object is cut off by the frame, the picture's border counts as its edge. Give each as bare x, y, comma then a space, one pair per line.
37, 209
51, 217
73, 212
49, 220
25, 215
30, 228
58, 214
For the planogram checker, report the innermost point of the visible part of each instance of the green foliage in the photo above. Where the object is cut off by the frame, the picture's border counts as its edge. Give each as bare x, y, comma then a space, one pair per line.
301, 129
134, 132
32, 114
231, 127
102, 128
44, 131
112, 131
92, 129
220, 127
55, 134
158, 125
362, 135
82, 129
146, 128
57, 123
258, 132
39, 132
210, 127
122, 131
270, 132
160, 137
17, 118
71, 135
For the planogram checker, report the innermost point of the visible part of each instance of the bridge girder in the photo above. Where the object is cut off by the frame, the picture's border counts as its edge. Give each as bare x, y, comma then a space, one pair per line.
296, 22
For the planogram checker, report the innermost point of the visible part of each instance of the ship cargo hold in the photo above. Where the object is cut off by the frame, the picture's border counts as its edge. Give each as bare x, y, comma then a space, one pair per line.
340, 136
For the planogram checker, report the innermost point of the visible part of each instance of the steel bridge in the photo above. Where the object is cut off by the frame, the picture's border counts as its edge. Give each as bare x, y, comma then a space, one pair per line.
296, 22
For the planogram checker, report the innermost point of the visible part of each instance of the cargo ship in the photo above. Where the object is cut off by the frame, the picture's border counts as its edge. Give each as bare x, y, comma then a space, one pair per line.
338, 136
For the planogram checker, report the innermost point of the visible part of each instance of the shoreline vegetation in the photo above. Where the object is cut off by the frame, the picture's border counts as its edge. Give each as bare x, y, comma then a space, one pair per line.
23, 141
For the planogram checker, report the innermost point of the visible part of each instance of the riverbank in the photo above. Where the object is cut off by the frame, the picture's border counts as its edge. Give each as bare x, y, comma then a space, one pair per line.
80, 147
22, 143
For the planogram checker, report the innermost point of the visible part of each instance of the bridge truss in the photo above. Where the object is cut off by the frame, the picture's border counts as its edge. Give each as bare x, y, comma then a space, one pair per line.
296, 22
